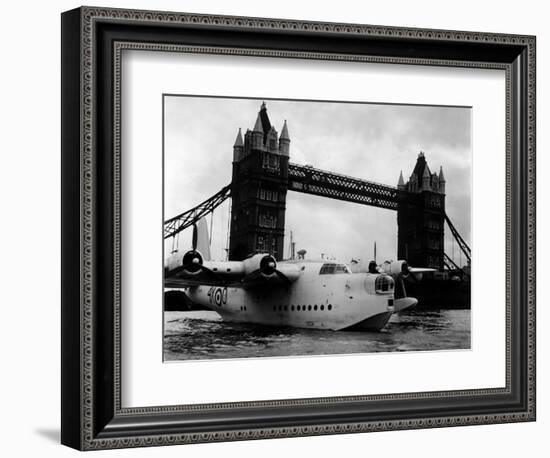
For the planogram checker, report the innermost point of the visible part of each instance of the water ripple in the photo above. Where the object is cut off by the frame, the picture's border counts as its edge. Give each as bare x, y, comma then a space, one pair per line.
203, 335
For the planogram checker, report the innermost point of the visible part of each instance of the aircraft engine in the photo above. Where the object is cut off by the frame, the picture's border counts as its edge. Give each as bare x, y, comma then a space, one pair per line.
264, 264
192, 262
396, 268
268, 265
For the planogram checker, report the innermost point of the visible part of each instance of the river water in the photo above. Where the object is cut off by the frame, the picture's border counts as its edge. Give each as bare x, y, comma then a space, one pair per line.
203, 335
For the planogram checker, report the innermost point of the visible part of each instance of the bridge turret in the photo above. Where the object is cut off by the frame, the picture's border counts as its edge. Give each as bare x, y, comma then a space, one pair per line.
401, 182
271, 142
412, 185
238, 147
284, 141
426, 179
435, 182
257, 134
441, 181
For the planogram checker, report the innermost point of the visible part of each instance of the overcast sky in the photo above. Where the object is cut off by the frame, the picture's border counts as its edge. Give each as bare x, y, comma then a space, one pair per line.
370, 141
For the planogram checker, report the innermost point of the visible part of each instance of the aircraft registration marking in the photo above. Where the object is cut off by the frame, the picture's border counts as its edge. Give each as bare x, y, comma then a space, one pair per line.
217, 295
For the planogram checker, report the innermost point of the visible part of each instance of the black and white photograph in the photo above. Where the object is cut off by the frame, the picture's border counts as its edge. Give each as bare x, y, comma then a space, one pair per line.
313, 227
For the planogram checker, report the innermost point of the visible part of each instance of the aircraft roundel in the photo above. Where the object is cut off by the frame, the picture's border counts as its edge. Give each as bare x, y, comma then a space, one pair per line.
218, 297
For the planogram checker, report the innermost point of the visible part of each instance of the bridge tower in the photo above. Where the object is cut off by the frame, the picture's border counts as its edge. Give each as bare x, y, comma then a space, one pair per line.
421, 216
258, 190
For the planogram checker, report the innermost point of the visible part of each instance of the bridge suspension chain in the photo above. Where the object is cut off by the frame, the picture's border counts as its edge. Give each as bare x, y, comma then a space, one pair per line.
451, 265
182, 221
461, 242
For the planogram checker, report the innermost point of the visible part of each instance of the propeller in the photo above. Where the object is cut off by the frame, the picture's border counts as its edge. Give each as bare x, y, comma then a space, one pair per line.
267, 268
405, 270
401, 270
405, 273
268, 265
402, 284
195, 237
193, 262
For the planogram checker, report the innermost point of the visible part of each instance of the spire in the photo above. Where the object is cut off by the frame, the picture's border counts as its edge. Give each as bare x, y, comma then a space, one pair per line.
401, 182
258, 126
426, 173
284, 141
420, 167
266, 124
284, 132
238, 147
441, 176
426, 178
441, 181
239, 139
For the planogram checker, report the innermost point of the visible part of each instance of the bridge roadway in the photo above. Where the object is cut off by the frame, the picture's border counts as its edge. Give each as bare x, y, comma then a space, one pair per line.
309, 180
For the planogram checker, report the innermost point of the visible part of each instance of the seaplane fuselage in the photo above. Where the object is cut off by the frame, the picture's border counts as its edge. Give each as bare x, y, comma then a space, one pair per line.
326, 295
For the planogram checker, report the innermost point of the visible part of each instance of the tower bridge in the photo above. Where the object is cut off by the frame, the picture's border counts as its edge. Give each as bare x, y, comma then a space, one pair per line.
262, 176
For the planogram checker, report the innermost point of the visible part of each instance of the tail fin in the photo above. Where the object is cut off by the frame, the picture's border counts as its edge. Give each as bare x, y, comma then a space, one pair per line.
203, 239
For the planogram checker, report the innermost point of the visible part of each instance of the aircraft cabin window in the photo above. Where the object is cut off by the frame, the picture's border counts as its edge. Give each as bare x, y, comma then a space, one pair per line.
342, 269
327, 269
331, 269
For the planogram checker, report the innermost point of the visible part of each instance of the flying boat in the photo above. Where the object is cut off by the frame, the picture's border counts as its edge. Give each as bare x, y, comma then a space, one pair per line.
312, 294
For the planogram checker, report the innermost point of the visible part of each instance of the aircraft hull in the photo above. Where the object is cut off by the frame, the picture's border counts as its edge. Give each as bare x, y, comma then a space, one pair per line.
330, 306
373, 323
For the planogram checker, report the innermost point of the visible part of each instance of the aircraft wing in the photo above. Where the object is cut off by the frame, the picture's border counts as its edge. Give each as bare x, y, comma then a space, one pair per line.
258, 271
283, 275
420, 270
222, 273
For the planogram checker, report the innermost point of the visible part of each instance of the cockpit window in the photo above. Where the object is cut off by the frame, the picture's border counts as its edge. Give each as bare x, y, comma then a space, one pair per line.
342, 269
333, 268
384, 284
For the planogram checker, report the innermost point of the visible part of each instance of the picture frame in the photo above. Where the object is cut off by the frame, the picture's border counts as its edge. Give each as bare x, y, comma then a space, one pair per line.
93, 416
